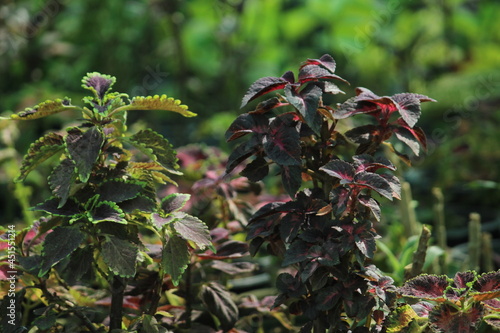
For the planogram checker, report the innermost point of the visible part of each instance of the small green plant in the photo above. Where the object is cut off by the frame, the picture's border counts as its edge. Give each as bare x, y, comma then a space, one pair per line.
103, 210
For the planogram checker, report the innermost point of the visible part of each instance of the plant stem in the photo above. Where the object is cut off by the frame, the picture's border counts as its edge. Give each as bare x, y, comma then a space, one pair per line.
440, 227
419, 255
487, 251
117, 293
189, 305
408, 212
474, 241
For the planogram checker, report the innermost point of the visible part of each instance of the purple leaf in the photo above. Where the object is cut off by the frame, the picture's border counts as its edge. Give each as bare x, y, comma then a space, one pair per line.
428, 287
375, 182
339, 169
282, 143
409, 106
371, 204
256, 170
328, 297
445, 318
290, 285
352, 106
99, 83
307, 102
263, 86
174, 202
297, 252
363, 134
245, 124
291, 177
219, 302
326, 61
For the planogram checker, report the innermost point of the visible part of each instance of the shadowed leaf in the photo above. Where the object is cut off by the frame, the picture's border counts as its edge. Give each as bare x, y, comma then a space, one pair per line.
84, 149
120, 255
175, 258
119, 190
108, 211
39, 151
219, 302
61, 179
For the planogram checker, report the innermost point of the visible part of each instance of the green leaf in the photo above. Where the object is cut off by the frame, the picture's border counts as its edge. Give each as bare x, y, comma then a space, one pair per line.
60, 180
120, 255
59, 244
157, 148
219, 302
39, 151
193, 229
107, 211
175, 258
84, 149
174, 202
157, 103
44, 109
118, 190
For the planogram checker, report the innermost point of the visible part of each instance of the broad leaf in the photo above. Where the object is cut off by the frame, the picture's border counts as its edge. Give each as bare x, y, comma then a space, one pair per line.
375, 182
51, 206
61, 179
107, 211
120, 255
59, 244
80, 262
84, 149
194, 230
39, 151
408, 105
256, 170
263, 86
400, 318
445, 318
219, 302
157, 103
245, 124
297, 252
326, 61
487, 286
363, 134
328, 297
307, 102
233, 268
174, 202
290, 285
156, 147
371, 204
230, 249
408, 139
339, 169
242, 152
428, 287
282, 143
291, 177
119, 190
44, 109
175, 258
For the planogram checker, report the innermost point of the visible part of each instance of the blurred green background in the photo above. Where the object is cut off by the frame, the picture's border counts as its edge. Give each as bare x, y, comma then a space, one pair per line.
207, 53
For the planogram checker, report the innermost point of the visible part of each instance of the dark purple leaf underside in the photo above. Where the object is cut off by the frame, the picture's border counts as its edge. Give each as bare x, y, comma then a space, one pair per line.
245, 124
256, 170
263, 86
307, 102
84, 149
428, 287
327, 298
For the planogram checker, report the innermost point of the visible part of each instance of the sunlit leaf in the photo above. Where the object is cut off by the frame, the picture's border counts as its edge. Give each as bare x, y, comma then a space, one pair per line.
98, 83
44, 109
194, 230
157, 103
61, 179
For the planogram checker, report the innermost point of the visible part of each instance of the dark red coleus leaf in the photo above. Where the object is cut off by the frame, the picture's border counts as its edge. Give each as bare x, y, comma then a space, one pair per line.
219, 302
228, 250
328, 297
306, 102
256, 170
282, 142
291, 177
245, 124
326, 61
445, 318
487, 286
340, 169
290, 285
428, 287
265, 85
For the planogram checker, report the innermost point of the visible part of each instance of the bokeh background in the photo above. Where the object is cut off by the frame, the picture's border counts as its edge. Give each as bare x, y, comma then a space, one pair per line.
207, 53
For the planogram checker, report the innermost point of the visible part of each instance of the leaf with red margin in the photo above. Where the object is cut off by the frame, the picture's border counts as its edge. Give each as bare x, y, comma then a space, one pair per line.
352, 107
488, 286
307, 102
326, 61
245, 124
282, 142
265, 85
366, 162
425, 286
371, 204
339, 169
446, 318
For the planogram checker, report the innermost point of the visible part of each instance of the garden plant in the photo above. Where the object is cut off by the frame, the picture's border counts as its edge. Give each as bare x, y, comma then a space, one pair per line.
115, 252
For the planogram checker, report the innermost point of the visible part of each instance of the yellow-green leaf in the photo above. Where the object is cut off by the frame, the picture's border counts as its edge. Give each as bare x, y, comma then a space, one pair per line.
44, 109
157, 103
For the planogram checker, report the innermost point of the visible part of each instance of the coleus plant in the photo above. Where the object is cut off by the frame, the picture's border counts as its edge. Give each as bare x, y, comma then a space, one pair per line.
104, 198
325, 233
460, 304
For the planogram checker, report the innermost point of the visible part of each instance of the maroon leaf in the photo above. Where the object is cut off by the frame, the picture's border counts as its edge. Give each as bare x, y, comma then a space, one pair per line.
233, 268
464, 279
326, 61
307, 102
291, 178
352, 106
219, 302
371, 204
256, 170
282, 143
290, 226
245, 124
428, 287
228, 250
174, 202
263, 86
328, 297
375, 182
313, 72
297, 252
445, 318
488, 286
289, 285
365, 162
339, 169
394, 183
241, 153
409, 106
363, 134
